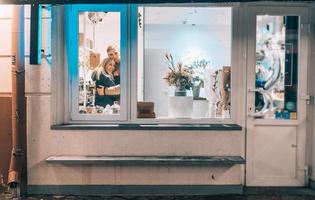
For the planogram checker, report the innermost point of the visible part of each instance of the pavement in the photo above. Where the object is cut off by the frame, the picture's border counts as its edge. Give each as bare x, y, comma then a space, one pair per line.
223, 197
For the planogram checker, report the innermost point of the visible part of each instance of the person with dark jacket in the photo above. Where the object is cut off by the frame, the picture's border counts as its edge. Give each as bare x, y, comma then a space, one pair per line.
107, 91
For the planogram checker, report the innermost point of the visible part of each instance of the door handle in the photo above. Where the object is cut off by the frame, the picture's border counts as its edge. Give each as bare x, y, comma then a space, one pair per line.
268, 102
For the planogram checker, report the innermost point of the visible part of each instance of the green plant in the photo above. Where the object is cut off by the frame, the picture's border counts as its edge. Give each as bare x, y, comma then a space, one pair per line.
198, 69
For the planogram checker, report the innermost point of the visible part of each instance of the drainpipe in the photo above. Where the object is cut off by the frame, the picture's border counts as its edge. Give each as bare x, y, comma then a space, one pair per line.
17, 177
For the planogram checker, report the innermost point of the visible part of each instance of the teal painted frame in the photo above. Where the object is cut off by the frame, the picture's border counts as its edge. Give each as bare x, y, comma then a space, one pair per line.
71, 27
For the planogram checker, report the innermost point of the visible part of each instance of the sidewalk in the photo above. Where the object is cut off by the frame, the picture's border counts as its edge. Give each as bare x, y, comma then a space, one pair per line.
225, 197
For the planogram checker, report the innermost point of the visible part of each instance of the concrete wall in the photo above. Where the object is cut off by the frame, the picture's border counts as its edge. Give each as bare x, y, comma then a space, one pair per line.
44, 142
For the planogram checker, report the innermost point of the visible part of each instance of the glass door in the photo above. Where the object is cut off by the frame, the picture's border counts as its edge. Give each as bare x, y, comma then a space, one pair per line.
276, 95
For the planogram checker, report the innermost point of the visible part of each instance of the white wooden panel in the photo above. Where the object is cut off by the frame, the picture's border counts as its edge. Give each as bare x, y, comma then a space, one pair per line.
275, 152
27, 29
27, 11
5, 71
45, 12
46, 36
5, 36
5, 11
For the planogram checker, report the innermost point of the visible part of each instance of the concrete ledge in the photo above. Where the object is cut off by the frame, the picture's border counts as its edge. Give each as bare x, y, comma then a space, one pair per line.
175, 127
147, 160
133, 190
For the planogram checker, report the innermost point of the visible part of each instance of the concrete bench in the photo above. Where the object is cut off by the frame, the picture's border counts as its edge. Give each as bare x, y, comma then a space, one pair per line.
147, 160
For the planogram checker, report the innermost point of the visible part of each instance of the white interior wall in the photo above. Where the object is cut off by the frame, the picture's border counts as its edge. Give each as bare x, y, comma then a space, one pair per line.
187, 42
155, 87
107, 32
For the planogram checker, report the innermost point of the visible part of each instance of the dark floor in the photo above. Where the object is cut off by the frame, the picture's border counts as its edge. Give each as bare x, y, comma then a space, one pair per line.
249, 194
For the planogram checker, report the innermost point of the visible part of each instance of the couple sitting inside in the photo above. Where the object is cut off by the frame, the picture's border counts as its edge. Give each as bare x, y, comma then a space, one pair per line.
107, 79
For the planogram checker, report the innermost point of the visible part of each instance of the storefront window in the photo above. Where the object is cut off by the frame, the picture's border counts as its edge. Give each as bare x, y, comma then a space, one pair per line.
276, 67
184, 61
99, 63
97, 57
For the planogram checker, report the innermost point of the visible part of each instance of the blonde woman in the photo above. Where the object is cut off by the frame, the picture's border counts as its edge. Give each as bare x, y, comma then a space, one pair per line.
106, 90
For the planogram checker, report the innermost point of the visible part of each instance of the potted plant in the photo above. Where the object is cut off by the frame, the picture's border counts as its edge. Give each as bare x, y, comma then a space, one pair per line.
178, 75
198, 69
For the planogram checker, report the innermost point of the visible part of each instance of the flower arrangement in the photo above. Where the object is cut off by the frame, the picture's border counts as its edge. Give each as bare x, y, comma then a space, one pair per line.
178, 75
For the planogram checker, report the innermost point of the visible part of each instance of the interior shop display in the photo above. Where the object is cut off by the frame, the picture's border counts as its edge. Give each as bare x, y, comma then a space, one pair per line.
223, 105
276, 67
98, 63
194, 76
219, 92
185, 77
95, 60
178, 75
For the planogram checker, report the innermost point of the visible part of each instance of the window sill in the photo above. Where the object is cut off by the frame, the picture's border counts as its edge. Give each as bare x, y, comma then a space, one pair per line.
162, 127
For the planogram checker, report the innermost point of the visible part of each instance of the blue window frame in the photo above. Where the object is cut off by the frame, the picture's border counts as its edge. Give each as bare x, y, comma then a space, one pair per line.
72, 52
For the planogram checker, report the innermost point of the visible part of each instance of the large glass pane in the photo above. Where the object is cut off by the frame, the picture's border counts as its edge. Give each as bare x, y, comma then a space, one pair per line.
276, 67
99, 63
184, 62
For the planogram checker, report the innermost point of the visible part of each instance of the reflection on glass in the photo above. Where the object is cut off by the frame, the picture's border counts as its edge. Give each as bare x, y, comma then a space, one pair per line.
184, 67
99, 63
276, 67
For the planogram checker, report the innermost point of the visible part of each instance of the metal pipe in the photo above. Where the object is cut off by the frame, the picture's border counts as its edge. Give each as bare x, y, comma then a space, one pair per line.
18, 154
